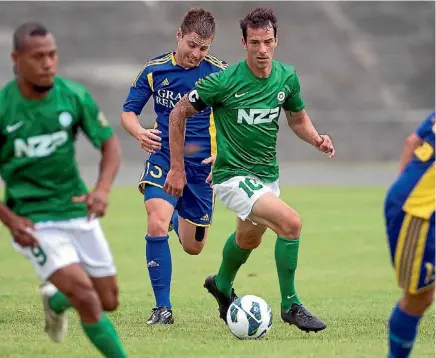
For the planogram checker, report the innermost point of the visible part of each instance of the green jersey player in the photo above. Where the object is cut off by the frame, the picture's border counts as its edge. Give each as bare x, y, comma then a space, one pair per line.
47, 208
247, 99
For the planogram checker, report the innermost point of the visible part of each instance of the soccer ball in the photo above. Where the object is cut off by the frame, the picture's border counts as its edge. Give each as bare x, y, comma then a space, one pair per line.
249, 317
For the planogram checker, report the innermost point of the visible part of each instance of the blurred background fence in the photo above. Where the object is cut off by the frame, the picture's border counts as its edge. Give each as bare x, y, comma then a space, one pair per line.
367, 71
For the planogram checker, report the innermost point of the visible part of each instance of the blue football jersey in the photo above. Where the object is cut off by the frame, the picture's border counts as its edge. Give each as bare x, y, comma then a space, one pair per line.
414, 189
168, 82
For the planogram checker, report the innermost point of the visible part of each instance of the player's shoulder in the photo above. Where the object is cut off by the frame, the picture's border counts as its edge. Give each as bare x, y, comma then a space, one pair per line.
158, 62
430, 120
285, 68
161, 62
70, 87
427, 126
215, 63
7, 97
225, 78
233, 73
7, 90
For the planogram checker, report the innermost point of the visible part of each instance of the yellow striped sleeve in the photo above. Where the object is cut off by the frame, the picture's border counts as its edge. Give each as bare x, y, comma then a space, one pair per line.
158, 61
216, 62
212, 133
150, 80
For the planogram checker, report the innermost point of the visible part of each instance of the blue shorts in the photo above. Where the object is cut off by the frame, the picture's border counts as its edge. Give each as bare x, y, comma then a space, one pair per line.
412, 246
197, 202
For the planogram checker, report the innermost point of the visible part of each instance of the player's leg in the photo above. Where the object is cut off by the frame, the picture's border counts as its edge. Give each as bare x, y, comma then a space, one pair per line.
56, 261
158, 254
274, 213
195, 210
192, 236
53, 252
174, 224
159, 207
97, 260
235, 253
250, 198
107, 290
412, 245
74, 283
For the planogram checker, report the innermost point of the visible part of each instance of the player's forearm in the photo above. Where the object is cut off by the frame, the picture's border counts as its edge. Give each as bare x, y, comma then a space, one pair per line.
109, 163
6, 214
130, 123
302, 126
412, 142
177, 129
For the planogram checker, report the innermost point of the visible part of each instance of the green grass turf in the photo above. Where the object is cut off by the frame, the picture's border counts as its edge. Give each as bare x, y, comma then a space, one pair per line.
344, 276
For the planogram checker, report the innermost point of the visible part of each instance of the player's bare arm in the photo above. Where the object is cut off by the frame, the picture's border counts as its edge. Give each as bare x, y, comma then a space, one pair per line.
97, 200
176, 177
20, 227
148, 139
302, 126
410, 144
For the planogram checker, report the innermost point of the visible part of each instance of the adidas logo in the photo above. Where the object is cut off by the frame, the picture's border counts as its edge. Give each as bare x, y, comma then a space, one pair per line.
152, 264
204, 218
165, 82
166, 314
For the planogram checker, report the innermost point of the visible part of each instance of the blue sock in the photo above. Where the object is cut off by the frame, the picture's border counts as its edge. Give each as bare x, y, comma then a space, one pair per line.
175, 222
403, 328
158, 258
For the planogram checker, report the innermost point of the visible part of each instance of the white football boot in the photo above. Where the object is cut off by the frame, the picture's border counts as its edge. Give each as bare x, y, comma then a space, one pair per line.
56, 324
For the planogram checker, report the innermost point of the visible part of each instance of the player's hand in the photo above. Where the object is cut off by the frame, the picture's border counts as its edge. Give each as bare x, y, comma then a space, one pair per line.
325, 144
21, 230
175, 182
211, 161
96, 202
149, 139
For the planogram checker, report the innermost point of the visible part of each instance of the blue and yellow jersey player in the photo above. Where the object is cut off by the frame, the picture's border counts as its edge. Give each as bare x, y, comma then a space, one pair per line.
410, 226
168, 78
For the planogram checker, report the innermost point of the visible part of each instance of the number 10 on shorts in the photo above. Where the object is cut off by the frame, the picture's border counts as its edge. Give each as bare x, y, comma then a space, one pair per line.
250, 185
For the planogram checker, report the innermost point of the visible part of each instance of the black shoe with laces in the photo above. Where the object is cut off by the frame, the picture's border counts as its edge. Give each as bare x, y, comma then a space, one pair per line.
161, 315
223, 301
303, 319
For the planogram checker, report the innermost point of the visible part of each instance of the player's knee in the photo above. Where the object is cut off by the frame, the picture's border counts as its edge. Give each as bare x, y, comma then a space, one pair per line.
419, 303
248, 241
195, 244
157, 225
428, 298
291, 227
194, 249
85, 299
110, 300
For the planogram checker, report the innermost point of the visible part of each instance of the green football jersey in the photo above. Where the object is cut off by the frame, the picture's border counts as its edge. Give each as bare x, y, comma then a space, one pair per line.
37, 154
246, 111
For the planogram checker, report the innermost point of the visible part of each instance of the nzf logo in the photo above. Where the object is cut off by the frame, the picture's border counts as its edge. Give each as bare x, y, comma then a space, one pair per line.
281, 97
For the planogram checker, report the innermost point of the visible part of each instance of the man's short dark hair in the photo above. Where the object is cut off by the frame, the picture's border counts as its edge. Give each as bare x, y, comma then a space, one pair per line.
259, 18
199, 21
27, 29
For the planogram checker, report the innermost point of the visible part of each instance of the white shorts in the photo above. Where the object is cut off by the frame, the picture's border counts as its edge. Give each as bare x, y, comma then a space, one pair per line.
240, 193
62, 243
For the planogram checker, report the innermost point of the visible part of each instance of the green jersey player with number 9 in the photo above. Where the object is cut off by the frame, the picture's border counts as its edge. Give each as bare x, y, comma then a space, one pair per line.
247, 100
47, 208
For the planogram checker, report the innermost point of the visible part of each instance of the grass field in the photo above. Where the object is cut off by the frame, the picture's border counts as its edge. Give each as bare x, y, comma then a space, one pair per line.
344, 276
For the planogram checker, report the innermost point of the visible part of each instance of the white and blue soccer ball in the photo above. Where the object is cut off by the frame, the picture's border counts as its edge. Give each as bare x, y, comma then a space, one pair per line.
249, 317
